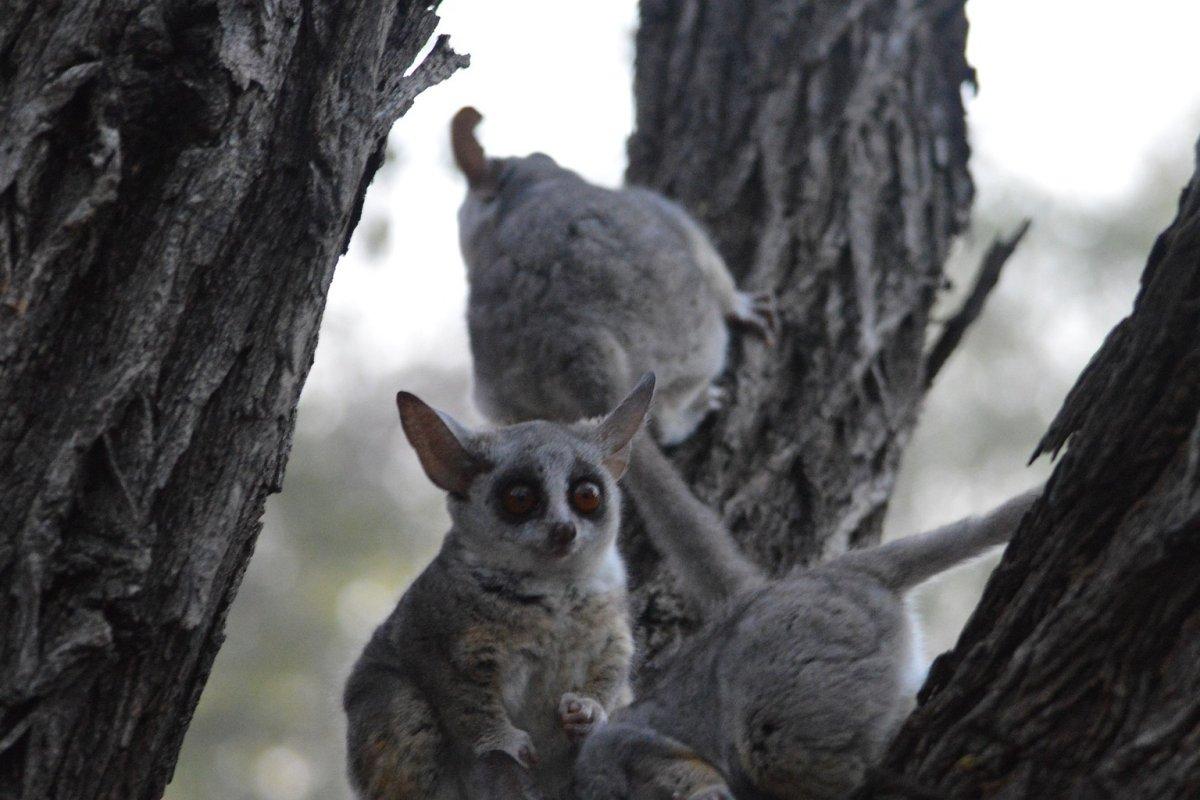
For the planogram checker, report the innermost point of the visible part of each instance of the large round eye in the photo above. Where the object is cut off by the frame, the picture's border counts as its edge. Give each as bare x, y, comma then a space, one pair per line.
520, 499
585, 496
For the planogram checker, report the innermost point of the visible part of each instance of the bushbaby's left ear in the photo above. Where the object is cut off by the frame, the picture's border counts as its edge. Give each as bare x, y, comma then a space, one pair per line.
440, 445
615, 432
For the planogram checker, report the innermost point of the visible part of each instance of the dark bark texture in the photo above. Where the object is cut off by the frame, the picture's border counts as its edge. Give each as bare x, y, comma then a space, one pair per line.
1079, 674
824, 146
177, 180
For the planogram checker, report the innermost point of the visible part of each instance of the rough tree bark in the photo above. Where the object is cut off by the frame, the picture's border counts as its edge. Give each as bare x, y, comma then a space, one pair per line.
1078, 675
177, 180
824, 146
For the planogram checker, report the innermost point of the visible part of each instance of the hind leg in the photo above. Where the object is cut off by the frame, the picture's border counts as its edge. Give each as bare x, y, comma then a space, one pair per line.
802, 770
395, 749
621, 761
806, 747
679, 774
495, 776
682, 407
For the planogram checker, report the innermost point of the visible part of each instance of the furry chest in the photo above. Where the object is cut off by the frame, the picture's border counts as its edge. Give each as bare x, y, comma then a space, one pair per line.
539, 674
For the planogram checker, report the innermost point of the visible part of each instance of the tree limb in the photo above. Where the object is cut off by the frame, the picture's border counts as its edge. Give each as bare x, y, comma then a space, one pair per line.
177, 181
824, 146
986, 278
1079, 673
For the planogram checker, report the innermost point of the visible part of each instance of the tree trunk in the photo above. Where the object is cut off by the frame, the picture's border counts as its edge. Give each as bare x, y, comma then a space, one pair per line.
824, 146
1079, 674
177, 181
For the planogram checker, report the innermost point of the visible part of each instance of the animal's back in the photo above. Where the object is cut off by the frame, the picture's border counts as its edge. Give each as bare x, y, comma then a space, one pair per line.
815, 693
585, 285
793, 688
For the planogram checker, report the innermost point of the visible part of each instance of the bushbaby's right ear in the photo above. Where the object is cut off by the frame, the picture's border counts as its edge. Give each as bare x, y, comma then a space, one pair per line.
615, 432
468, 153
438, 442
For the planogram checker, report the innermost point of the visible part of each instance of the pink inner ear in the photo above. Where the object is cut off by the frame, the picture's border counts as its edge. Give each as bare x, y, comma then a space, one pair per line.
445, 460
618, 462
617, 430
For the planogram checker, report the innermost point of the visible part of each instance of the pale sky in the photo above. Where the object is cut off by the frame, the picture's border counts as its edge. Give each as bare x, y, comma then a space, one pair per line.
1073, 96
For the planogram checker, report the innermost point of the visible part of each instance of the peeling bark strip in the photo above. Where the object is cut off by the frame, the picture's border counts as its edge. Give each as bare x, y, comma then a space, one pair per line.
824, 146
1079, 674
177, 181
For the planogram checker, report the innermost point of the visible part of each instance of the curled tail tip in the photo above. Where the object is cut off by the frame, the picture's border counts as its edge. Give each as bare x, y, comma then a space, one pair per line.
465, 120
468, 153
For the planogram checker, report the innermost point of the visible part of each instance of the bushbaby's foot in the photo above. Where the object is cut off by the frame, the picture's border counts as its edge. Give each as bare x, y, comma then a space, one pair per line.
579, 715
495, 776
758, 313
720, 792
516, 743
717, 396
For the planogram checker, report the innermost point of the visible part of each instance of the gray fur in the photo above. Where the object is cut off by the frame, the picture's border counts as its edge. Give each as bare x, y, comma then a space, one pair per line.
712, 568
904, 563
575, 290
510, 641
794, 686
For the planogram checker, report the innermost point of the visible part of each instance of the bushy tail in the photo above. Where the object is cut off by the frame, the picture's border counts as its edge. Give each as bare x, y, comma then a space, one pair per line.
907, 562
693, 538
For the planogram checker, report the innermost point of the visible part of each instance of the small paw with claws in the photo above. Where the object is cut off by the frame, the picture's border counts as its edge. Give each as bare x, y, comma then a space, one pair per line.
580, 715
757, 313
516, 743
716, 397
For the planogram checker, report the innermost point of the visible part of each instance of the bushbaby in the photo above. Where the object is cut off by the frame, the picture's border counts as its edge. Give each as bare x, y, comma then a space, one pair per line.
513, 643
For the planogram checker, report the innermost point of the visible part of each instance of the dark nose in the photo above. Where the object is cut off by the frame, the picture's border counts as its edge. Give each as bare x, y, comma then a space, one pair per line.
562, 534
